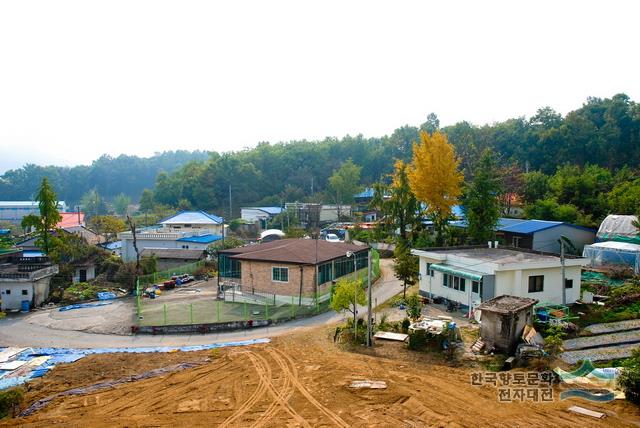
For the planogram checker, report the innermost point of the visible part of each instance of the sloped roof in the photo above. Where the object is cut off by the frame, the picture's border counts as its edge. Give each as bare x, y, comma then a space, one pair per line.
192, 217
268, 210
70, 220
527, 227
202, 239
295, 251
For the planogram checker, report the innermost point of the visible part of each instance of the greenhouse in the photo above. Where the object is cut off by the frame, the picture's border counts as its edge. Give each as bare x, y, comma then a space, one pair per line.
613, 253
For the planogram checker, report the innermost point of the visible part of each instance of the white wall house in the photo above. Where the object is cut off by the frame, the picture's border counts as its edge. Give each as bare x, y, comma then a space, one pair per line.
24, 278
259, 214
471, 275
15, 211
188, 230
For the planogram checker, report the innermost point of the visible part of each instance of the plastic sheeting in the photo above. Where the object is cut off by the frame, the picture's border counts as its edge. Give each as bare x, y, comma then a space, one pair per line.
106, 295
619, 228
83, 305
612, 253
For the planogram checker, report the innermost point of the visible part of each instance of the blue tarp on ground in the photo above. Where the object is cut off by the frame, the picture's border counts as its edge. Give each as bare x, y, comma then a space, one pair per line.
69, 355
83, 305
106, 295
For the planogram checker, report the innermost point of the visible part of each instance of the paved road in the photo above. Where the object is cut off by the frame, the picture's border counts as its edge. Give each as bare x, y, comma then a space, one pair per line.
14, 331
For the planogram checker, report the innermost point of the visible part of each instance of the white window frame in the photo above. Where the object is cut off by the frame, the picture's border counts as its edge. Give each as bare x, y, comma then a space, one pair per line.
277, 280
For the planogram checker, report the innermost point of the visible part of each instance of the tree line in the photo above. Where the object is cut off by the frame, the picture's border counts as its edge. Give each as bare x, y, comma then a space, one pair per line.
600, 140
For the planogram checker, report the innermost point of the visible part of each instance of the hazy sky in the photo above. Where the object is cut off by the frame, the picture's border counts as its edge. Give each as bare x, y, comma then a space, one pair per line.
83, 78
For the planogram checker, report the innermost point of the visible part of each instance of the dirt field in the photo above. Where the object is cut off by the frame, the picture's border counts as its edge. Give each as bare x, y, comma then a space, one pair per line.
297, 380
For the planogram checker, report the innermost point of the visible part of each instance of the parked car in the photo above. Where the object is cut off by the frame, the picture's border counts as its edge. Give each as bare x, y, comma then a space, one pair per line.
332, 237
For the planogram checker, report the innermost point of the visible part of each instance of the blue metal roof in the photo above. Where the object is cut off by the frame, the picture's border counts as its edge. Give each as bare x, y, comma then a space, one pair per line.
202, 239
525, 227
270, 210
366, 193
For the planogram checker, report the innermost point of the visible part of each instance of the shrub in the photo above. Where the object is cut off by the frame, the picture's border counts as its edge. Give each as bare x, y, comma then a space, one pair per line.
629, 379
10, 399
418, 340
405, 325
414, 307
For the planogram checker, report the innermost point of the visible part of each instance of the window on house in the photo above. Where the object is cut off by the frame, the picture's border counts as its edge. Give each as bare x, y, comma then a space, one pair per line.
536, 283
475, 287
280, 274
445, 280
515, 241
568, 283
7, 292
25, 293
456, 283
462, 284
429, 270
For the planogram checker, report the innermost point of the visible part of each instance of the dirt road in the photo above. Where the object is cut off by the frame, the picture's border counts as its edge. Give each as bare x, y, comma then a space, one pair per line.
297, 380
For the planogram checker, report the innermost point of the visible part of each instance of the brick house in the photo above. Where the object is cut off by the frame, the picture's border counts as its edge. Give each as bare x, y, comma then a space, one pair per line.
300, 268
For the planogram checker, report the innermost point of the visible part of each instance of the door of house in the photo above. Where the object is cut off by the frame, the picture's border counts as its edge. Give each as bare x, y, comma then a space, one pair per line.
83, 275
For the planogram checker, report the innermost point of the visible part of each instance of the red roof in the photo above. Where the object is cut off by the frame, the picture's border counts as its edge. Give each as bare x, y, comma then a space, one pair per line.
70, 220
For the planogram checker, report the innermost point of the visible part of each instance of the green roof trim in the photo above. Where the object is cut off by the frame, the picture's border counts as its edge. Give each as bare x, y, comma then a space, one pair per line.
464, 273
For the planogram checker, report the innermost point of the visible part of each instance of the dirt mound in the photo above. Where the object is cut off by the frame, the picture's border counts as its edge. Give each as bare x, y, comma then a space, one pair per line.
297, 380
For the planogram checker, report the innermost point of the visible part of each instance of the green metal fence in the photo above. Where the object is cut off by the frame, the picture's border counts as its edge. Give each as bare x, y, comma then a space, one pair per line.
205, 310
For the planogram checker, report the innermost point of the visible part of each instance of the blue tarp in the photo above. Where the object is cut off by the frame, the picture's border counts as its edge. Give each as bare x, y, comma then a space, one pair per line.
69, 355
82, 305
106, 295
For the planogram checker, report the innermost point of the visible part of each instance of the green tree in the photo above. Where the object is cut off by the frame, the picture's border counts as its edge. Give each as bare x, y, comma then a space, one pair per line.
344, 182
147, 202
629, 379
402, 204
406, 266
347, 295
107, 225
92, 203
535, 187
49, 216
480, 201
121, 204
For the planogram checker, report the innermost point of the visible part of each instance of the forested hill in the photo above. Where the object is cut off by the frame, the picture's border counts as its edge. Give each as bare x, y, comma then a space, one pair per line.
108, 175
603, 132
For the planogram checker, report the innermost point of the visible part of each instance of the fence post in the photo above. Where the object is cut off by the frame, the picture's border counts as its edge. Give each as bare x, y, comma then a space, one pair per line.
218, 309
266, 311
317, 304
164, 310
244, 309
191, 312
293, 309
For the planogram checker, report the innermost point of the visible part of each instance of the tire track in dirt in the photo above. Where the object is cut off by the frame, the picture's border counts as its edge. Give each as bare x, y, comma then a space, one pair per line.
248, 404
287, 391
293, 373
264, 369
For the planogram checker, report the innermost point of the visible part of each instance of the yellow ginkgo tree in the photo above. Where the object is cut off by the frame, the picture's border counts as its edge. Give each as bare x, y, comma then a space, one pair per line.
434, 178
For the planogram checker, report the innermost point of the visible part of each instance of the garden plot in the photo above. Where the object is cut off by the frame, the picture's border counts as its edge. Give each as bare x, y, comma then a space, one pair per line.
599, 354
585, 342
612, 327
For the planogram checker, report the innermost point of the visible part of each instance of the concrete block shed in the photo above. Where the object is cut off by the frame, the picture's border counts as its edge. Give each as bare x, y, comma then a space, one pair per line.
503, 320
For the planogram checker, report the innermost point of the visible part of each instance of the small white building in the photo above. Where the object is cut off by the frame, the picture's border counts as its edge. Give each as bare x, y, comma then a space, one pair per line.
259, 214
187, 230
24, 279
471, 275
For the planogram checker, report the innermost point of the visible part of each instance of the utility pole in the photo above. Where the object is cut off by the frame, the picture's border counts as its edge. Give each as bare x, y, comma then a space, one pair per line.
230, 215
563, 285
369, 326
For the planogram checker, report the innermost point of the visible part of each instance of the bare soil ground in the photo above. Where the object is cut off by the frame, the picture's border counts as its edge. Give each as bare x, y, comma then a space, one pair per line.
297, 380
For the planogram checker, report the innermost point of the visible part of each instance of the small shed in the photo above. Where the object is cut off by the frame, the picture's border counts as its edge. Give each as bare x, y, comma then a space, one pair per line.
503, 320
